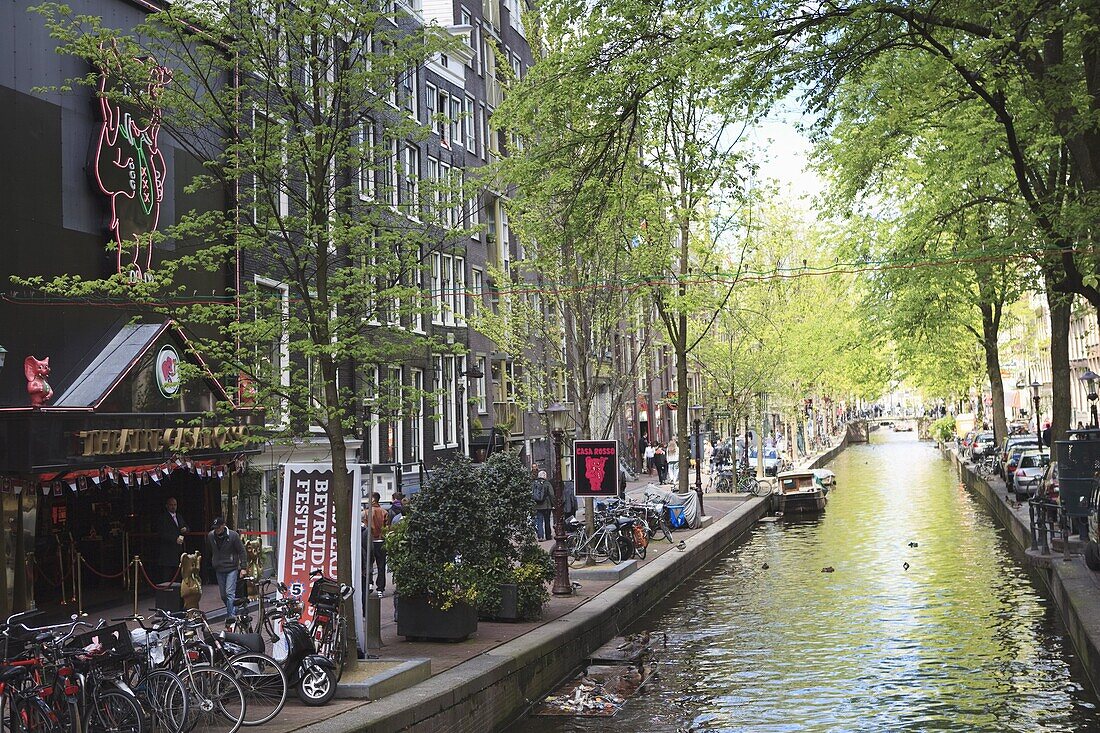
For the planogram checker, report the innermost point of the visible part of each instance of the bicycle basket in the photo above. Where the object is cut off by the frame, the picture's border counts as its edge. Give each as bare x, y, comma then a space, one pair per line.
16, 643
325, 593
112, 643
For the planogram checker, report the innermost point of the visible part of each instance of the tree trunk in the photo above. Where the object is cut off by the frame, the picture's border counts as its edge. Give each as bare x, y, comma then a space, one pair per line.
1059, 305
993, 372
341, 493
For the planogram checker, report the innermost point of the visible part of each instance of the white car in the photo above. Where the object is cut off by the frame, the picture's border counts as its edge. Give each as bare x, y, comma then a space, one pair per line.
1029, 473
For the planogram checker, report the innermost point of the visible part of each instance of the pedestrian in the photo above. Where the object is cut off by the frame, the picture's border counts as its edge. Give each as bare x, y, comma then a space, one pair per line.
568, 500
650, 453
660, 462
1080, 426
672, 455
1046, 434
396, 512
379, 521
643, 444
171, 527
540, 495
228, 559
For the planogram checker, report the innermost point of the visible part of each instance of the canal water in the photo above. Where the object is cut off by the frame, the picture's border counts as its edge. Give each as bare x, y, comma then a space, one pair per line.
763, 640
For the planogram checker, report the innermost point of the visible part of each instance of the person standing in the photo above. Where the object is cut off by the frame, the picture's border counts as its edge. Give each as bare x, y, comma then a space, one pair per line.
643, 446
650, 454
541, 495
171, 528
660, 462
672, 455
396, 512
228, 559
376, 515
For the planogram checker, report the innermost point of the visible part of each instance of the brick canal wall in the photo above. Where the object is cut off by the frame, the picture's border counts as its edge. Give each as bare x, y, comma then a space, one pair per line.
494, 688
1072, 586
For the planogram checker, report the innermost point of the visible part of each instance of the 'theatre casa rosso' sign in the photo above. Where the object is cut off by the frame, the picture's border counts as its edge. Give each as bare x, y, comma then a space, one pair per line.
138, 440
596, 468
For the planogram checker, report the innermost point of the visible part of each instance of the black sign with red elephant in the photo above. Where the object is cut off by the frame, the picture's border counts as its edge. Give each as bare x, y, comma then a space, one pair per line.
596, 468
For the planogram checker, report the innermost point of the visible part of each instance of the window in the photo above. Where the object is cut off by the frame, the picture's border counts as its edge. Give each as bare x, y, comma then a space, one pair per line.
460, 290
445, 195
391, 175
316, 391
490, 10
270, 150
410, 164
447, 396
416, 417
448, 286
366, 160
455, 121
443, 105
418, 300
409, 89
273, 356
471, 39
437, 288
482, 384
477, 290
469, 122
431, 101
432, 200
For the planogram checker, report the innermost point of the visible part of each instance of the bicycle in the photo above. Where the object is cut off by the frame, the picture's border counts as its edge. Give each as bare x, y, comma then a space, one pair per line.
604, 544
987, 466
749, 484
329, 627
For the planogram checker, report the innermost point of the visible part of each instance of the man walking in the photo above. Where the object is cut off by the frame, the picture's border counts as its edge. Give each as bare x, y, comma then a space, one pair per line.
171, 528
540, 494
378, 521
228, 559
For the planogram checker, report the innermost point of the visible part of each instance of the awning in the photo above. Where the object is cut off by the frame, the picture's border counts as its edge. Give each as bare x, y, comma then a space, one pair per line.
112, 363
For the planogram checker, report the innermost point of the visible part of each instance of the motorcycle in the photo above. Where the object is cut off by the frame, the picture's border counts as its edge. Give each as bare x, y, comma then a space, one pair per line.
313, 676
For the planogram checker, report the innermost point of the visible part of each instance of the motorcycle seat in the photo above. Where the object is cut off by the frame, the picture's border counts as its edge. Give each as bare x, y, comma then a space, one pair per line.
252, 642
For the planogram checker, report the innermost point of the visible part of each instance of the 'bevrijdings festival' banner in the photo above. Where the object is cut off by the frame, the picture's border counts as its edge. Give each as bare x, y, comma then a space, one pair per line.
307, 536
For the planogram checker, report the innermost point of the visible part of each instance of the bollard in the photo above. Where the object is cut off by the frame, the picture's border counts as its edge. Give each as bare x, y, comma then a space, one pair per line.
137, 569
61, 573
78, 575
374, 622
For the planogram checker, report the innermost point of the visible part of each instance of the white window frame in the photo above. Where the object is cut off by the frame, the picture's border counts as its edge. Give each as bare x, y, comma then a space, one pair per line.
366, 182
477, 290
454, 117
460, 290
468, 124
416, 417
431, 102
437, 288
410, 171
284, 342
448, 289
284, 193
482, 384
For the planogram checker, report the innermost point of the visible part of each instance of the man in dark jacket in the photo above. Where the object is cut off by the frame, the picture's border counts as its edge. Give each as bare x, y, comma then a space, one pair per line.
170, 528
228, 559
541, 495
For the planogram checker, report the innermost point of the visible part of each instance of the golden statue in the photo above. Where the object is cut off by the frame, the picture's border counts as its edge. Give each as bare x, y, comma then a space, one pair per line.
190, 584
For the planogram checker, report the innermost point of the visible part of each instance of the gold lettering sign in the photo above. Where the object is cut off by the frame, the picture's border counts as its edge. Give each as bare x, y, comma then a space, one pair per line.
137, 440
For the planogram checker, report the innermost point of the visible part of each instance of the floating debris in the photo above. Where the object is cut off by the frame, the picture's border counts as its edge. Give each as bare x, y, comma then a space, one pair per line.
765, 566
828, 569
905, 565
913, 544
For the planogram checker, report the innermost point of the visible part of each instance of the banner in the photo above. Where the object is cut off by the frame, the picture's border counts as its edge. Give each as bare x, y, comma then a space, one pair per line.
596, 468
308, 539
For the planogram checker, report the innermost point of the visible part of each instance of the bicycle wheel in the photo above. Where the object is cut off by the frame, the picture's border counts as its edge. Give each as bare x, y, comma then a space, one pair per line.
264, 685
114, 711
215, 701
761, 488
639, 550
600, 550
29, 716
340, 646
617, 550
578, 549
165, 697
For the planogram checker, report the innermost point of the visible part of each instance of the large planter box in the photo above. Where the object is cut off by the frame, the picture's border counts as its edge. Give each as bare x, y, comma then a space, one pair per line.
509, 604
417, 621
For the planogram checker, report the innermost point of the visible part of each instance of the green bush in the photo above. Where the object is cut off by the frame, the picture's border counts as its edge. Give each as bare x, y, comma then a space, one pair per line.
943, 430
468, 531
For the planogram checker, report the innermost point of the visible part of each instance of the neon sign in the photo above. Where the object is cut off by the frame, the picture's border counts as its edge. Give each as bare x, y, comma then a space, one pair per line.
130, 169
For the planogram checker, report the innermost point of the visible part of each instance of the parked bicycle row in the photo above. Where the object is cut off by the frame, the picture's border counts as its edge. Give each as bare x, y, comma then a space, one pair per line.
172, 671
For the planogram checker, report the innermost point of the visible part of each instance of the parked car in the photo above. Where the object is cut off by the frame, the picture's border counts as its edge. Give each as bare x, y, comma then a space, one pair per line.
967, 441
1029, 473
1006, 447
983, 444
1013, 461
772, 461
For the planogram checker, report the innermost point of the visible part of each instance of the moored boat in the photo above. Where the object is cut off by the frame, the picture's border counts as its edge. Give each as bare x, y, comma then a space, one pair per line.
825, 477
799, 491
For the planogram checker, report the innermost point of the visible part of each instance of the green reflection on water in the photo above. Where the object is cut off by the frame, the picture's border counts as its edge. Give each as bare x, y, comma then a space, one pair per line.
961, 640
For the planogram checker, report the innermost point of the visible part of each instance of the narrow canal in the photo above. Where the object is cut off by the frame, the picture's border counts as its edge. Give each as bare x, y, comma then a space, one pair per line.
763, 640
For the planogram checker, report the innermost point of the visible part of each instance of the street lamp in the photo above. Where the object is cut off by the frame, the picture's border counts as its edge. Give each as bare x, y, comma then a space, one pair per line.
1089, 378
1035, 399
557, 416
696, 414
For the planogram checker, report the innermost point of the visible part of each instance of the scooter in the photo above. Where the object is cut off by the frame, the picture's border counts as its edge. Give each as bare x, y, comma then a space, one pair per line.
312, 675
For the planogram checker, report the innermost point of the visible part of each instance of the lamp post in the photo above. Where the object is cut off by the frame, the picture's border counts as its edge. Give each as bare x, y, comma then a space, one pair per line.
557, 415
696, 414
1035, 399
1089, 378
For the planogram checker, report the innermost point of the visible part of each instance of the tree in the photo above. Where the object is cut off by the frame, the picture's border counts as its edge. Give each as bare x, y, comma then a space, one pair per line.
297, 116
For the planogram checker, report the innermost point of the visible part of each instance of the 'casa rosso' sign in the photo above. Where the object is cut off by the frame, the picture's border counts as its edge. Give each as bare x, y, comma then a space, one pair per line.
146, 440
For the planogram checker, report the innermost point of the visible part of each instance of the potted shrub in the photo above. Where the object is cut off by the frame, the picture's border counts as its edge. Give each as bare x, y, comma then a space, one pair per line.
434, 553
513, 586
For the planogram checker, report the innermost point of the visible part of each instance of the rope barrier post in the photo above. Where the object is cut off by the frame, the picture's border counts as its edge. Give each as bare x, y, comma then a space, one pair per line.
137, 569
125, 554
79, 575
73, 569
61, 573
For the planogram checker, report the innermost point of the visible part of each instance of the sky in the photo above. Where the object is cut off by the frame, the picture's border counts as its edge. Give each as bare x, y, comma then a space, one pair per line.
785, 155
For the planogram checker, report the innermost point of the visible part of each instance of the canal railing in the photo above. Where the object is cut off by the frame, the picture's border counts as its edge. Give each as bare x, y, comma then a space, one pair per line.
1048, 523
